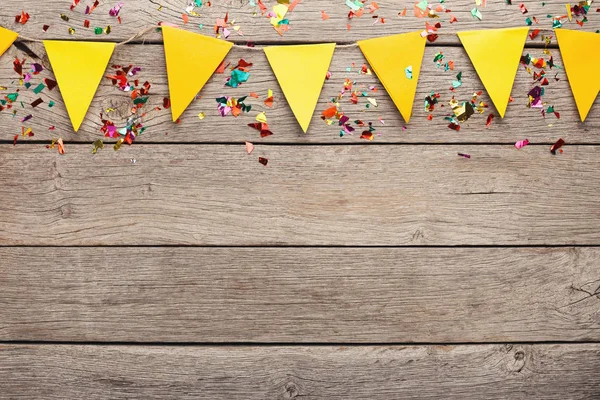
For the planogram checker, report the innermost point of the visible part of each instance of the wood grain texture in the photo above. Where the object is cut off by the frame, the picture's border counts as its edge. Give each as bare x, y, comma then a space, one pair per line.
366, 295
521, 122
414, 372
307, 195
306, 24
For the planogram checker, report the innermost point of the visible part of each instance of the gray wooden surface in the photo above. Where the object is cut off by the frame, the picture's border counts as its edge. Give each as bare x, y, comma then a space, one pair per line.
324, 372
180, 267
305, 295
306, 195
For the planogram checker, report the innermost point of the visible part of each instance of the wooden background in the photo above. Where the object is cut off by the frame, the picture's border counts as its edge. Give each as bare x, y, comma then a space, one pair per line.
180, 267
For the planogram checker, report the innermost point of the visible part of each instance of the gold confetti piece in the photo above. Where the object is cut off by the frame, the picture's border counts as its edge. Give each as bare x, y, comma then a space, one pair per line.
201, 116
98, 144
262, 117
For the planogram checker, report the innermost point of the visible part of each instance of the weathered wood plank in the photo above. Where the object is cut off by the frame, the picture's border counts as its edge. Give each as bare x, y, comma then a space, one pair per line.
414, 372
306, 24
300, 294
520, 122
307, 195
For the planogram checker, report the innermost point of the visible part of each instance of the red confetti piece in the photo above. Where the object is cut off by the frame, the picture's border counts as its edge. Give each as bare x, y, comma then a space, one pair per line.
23, 18
534, 34
559, 143
454, 126
51, 83
489, 121
263, 161
166, 103
45, 28
37, 103
368, 135
523, 8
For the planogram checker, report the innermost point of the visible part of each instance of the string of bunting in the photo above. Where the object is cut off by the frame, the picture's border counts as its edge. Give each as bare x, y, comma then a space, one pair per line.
396, 60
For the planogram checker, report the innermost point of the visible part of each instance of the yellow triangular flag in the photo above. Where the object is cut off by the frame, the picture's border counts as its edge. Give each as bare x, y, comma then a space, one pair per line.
191, 60
396, 61
495, 54
78, 68
580, 52
301, 71
6, 39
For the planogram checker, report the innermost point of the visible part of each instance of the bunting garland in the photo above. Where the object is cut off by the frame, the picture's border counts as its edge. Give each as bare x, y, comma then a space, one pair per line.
396, 60
497, 73
188, 71
578, 64
78, 68
301, 91
7, 38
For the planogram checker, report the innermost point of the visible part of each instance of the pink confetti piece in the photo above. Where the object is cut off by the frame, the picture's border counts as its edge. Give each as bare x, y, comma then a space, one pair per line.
521, 143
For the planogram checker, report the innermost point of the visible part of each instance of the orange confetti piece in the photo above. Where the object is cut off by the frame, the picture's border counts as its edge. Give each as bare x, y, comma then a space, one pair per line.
324, 16
185, 18
330, 112
252, 94
61, 146
293, 5
402, 13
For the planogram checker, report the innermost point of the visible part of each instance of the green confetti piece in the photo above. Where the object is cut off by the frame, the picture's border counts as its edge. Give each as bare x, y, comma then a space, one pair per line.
98, 31
39, 88
12, 96
475, 13
140, 100
50, 104
529, 21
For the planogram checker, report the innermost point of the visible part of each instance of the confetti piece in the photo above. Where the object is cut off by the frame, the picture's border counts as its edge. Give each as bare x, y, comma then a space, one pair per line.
269, 100
201, 116
262, 117
458, 82
523, 8
58, 144
263, 161
98, 144
488, 123
113, 12
559, 143
464, 155
521, 143
408, 72
475, 13
36, 102
324, 16
22, 19
249, 147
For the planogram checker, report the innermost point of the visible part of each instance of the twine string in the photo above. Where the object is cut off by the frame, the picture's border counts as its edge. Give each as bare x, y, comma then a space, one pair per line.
149, 29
